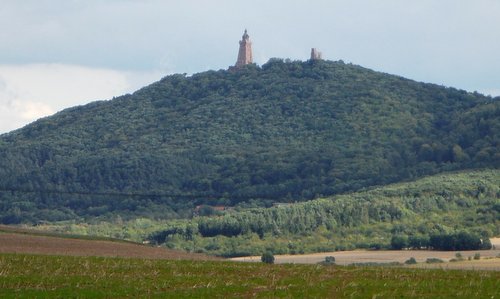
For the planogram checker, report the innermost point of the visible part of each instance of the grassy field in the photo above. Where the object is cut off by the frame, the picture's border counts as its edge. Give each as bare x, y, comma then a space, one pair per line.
41, 276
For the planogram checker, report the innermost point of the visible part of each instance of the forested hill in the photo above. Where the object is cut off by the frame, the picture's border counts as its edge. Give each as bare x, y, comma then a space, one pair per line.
285, 131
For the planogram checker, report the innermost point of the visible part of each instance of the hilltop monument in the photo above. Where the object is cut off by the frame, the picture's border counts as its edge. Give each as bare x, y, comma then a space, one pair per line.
245, 52
316, 55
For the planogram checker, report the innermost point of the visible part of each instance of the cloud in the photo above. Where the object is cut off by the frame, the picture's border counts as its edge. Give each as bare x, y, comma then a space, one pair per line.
28, 92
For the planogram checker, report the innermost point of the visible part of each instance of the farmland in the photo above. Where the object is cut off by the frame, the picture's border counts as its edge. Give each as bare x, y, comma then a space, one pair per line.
390, 256
489, 258
28, 242
44, 266
98, 277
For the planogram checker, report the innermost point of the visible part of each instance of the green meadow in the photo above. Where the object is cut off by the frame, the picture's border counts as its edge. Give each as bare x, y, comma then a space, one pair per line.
37, 276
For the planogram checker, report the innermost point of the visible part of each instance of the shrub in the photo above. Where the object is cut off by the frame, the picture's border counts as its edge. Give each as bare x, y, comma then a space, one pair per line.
486, 244
477, 256
329, 260
411, 261
267, 258
433, 260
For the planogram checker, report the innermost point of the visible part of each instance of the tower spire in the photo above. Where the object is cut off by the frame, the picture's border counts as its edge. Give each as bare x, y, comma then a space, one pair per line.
245, 52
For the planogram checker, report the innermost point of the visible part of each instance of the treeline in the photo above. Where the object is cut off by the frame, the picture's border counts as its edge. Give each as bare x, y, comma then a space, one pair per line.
449, 242
283, 132
423, 214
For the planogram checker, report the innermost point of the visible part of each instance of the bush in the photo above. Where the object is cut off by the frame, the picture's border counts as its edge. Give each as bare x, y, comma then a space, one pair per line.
486, 244
433, 260
411, 261
267, 258
329, 260
477, 256
458, 256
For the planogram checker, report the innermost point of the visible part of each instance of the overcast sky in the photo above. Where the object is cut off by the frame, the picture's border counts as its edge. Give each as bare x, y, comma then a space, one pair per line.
56, 54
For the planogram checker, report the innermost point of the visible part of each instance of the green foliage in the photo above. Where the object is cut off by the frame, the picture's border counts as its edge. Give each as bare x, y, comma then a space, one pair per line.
418, 242
433, 260
486, 244
283, 132
399, 242
477, 256
411, 261
456, 241
329, 260
437, 212
267, 258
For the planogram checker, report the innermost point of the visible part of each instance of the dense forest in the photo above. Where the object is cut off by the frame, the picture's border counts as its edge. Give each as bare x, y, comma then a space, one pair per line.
457, 211
283, 132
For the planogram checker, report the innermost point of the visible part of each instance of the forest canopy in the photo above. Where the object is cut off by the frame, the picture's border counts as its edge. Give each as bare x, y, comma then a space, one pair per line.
283, 132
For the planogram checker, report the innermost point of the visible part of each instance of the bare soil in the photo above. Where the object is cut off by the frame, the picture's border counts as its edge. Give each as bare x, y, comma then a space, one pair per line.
13, 242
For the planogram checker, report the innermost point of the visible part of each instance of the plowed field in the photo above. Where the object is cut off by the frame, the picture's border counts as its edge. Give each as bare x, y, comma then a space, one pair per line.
11, 242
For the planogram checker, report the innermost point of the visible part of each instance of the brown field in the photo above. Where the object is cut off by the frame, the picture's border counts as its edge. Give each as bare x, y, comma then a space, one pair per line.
489, 260
24, 242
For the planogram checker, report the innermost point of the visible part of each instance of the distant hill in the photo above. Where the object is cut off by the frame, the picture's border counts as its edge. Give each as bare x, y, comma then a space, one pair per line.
286, 131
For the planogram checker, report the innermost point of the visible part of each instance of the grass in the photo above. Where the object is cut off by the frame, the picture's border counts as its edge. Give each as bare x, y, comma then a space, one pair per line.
30, 276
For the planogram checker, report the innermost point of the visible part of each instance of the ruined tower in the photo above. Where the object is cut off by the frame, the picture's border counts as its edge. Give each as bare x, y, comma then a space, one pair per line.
315, 54
245, 52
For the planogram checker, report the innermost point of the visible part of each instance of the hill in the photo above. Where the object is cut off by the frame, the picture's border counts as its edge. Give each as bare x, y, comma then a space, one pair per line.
285, 131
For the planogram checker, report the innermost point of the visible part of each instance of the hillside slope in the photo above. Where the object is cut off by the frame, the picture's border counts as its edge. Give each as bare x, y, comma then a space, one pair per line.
440, 204
285, 131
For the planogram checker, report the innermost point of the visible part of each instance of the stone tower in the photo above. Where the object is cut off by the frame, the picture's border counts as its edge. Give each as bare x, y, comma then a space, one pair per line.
315, 54
245, 52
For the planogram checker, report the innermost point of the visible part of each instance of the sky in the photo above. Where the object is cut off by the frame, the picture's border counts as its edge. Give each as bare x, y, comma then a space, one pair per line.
56, 54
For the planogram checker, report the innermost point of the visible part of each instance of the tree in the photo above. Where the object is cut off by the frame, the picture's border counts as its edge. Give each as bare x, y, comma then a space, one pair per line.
267, 257
486, 244
416, 242
329, 260
399, 242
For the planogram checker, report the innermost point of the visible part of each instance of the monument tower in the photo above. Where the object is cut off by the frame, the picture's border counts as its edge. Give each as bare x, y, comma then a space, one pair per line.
245, 52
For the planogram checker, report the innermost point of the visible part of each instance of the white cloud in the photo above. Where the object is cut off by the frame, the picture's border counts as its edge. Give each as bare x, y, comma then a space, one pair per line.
28, 92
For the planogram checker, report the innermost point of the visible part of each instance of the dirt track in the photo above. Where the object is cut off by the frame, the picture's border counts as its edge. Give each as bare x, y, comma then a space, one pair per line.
25, 243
